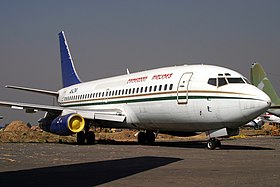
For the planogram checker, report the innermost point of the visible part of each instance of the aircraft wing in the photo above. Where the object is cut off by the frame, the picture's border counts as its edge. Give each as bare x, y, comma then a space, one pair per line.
100, 114
31, 107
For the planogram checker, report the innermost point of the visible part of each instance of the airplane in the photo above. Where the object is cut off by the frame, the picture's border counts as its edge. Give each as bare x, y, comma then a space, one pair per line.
179, 100
261, 120
270, 118
256, 123
259, 79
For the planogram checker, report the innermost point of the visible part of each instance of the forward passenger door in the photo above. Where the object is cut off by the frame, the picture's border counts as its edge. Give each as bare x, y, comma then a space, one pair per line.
182, 90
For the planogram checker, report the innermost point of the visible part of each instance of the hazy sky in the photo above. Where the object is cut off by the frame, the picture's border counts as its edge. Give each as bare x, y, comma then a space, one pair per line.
108, 36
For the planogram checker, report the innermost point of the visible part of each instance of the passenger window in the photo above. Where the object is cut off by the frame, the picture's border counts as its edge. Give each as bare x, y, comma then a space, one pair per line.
137, 90
150, 89
141, 90
165, 87
212, 81
160, 86
146, 89
155, 88
170, 86
222, 81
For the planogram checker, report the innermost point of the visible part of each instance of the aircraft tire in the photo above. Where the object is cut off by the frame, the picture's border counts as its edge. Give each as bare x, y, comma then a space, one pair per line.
211, 144
90, 138
141, 137
150, 137
81, 138
218, 143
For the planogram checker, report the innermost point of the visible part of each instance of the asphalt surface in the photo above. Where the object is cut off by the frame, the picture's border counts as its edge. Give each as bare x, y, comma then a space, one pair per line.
240, 162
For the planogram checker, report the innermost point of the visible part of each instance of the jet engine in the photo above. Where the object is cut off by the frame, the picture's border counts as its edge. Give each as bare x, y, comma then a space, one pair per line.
67, 124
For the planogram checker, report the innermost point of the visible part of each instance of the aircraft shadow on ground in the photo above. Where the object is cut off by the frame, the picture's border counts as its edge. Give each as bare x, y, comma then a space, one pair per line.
190, 144
202, 145
197, 144
84, 174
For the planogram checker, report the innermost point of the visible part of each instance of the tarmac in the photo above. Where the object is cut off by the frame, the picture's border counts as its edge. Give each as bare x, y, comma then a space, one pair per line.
240, 162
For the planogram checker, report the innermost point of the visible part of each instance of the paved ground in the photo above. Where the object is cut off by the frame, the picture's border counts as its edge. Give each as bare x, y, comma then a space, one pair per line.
240, 162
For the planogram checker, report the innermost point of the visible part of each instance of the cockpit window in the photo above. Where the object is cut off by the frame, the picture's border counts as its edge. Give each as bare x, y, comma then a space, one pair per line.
235, 80
222, 81
212, 81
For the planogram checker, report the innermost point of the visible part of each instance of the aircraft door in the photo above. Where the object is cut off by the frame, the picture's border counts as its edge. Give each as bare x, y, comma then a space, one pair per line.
182, 91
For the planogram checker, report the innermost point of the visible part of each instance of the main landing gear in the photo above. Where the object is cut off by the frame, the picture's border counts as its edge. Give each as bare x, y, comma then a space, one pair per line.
213, 143
86, 136
147, 137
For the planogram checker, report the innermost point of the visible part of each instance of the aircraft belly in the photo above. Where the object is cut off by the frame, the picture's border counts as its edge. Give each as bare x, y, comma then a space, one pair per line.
169, 116
197, 115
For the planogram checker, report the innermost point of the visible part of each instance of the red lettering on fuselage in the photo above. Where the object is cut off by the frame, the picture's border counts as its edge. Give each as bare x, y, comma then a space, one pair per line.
162, 76
136, 80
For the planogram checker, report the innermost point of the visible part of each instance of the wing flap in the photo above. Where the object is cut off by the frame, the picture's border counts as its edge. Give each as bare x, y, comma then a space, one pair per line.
109, 117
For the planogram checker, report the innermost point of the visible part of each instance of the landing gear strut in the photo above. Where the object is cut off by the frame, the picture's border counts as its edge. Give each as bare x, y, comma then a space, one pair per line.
213, 143
147, 137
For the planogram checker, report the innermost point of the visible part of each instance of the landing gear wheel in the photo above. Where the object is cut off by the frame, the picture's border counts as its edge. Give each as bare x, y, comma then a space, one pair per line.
150, 137
90, 138
141, 137
147, 137
211, 144
218, 143
81, 138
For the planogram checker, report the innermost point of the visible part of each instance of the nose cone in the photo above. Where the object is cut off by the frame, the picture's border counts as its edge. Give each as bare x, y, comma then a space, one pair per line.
255, 102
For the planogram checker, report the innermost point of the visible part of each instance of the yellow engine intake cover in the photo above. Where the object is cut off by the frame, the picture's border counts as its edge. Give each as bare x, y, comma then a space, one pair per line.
76, 123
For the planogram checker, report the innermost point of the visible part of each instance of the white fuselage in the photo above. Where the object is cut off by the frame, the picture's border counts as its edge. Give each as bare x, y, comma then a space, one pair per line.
180, 98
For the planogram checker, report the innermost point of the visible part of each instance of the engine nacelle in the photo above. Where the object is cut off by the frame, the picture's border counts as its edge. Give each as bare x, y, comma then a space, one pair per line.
68, 124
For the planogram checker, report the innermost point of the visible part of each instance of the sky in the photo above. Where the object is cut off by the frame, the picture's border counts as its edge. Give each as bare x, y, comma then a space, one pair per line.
107, 36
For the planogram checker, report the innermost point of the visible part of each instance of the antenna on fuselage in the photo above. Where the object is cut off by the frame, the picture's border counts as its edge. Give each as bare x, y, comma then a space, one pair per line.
127, 71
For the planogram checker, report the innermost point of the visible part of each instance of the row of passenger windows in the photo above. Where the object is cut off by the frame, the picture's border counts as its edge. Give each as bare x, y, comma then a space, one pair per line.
129, 91
221, 81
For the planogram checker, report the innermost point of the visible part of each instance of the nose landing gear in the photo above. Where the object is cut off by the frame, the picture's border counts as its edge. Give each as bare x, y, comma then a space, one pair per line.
213, 143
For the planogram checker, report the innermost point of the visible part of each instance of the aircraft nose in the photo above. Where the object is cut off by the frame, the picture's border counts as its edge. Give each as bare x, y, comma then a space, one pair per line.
255, 104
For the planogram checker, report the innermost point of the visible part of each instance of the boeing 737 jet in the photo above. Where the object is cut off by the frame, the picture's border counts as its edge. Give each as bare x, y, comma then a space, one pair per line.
179, 100
260, 80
